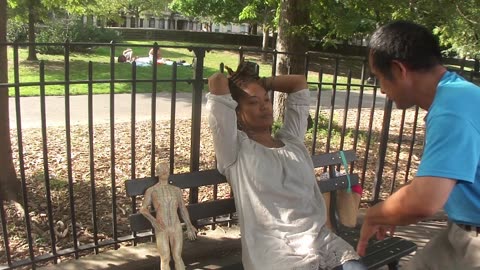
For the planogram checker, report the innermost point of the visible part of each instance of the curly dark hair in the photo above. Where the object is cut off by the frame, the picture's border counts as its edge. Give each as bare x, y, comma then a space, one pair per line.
246, 73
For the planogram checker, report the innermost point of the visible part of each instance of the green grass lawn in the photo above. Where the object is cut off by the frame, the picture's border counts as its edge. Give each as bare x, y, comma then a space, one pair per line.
29, 71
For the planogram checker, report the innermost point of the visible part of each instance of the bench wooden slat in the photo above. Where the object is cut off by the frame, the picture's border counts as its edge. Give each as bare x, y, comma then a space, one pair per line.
211, 209
138, 186
381, 252
389, 254
340, 182
196, 211
197, 179
334, 158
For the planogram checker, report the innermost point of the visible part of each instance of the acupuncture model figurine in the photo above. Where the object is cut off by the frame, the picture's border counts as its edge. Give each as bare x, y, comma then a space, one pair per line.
166, 200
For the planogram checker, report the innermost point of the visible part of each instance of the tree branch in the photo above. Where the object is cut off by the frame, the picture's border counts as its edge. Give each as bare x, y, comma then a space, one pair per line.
464, 16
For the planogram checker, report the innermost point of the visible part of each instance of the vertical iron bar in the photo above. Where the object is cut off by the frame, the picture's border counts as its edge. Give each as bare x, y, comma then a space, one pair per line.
92, 156
112, 143
133, 138
196, 117
154, 109
382, 150
230, 216
240, 54
359, 112
173, 109
6, 241
69, 147
317, 111
46, 171
274, 71
16, 69
3, 214
332, 106
307, 63
414, 131
345, 110
133, 120
397, 157
369, 136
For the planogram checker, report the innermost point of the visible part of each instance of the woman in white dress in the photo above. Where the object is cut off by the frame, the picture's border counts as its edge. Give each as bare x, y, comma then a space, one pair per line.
281, 209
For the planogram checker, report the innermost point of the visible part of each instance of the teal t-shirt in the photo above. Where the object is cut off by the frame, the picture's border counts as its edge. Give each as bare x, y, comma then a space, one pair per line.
452, 146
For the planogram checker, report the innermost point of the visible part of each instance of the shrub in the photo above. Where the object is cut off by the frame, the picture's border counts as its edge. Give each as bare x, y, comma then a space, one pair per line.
75, 32
16, 31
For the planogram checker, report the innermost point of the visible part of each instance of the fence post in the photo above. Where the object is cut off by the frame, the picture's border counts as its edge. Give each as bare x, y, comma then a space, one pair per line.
382, 151
240, 55
198, 84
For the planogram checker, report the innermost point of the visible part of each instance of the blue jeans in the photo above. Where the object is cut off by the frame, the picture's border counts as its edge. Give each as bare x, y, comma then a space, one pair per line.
351, 265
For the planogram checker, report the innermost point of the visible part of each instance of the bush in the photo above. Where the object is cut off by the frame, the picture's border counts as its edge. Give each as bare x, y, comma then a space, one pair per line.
16, 31
75, 32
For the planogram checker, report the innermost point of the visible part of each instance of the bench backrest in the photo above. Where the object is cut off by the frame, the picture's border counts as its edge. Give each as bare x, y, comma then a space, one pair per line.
212, 209
197, 211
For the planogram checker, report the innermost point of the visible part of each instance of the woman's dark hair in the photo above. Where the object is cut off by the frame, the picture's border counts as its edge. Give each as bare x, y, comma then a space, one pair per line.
407, 42
246, 72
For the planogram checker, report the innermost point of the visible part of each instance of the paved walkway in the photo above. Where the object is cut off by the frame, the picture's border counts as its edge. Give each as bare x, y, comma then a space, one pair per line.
55, 107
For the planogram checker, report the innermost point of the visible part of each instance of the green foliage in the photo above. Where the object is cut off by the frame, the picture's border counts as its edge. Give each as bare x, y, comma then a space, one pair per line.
75, 31
460, 27
218, 11
260, 11
276, 126
16, 31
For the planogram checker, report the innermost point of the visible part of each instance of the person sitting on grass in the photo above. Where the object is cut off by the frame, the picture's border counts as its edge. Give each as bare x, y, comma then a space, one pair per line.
152, 51
126, 56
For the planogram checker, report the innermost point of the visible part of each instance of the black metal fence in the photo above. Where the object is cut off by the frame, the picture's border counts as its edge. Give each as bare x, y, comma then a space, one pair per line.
72, 175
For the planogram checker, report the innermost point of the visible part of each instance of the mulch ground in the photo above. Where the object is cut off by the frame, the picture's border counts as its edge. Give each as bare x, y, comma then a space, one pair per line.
109, 181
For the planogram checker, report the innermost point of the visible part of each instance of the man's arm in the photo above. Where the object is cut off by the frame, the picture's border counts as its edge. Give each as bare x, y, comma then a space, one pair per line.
412, 203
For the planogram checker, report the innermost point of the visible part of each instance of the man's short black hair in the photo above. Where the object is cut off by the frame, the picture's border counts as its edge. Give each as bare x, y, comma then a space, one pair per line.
407, 42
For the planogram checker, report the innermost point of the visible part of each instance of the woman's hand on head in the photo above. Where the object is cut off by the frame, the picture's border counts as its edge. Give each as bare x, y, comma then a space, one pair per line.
218, 84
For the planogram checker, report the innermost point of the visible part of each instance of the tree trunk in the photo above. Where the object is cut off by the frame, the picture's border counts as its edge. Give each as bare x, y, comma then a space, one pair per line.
10, 187
137, 18
32, 53
266, 32
293, 15
254, 29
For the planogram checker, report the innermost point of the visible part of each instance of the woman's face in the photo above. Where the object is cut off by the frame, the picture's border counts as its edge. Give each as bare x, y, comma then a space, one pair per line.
255, 110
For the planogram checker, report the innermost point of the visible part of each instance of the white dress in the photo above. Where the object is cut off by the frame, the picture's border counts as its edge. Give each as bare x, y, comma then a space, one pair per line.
280, 207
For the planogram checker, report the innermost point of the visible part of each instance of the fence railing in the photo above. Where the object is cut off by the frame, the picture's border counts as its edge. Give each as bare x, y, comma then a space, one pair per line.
72, 175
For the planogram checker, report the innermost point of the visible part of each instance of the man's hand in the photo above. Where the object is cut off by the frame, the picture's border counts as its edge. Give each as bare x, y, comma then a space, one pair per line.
368, 230
218, 84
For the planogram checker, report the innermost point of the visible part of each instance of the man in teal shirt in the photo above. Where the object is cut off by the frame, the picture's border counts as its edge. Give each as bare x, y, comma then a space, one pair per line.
406, 59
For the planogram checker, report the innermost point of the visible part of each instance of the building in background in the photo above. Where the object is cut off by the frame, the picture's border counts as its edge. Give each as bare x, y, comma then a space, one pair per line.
168, 21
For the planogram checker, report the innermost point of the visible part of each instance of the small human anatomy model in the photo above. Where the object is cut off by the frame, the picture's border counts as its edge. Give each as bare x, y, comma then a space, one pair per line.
166, 200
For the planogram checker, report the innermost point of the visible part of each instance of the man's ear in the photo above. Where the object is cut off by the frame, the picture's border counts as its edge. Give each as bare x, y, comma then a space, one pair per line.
399, 70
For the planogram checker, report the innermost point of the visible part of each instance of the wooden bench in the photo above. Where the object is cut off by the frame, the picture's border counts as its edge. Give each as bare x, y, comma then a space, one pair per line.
379, 253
